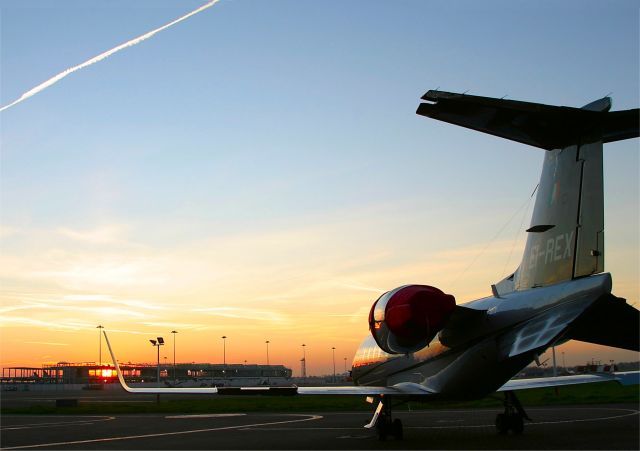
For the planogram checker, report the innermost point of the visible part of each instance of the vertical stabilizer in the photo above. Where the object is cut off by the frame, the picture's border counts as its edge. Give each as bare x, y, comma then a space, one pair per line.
566, 237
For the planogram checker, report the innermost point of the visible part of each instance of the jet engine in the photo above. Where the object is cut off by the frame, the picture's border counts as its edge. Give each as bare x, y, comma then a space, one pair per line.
406, 319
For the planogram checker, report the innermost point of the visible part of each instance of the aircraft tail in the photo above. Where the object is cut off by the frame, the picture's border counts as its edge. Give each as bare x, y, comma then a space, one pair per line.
566, 236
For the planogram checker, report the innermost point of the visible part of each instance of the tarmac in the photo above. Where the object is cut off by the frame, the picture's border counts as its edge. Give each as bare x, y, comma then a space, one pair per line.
565, 427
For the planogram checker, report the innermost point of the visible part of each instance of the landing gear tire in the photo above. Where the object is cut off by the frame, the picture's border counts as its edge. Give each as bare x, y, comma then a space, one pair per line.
502, 424
386, 428
382, 426
396, 429
513, 417
383, 422
517, 424
506, 423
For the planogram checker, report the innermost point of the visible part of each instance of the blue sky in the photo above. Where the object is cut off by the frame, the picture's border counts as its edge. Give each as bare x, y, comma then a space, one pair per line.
263, 149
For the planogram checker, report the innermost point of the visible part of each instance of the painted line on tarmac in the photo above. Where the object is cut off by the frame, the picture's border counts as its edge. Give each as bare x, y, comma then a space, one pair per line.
627, 413
56, 423
207, 415
165, 434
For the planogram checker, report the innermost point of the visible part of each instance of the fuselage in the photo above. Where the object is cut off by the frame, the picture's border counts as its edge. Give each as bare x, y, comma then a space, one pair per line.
486, 342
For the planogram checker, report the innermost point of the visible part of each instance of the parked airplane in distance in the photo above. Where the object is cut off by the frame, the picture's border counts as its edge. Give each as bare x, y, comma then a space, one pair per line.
424, 346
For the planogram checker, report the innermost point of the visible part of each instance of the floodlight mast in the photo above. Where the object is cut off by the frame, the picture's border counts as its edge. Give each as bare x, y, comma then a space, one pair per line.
224, 360
157, 344
100, 327
174, 332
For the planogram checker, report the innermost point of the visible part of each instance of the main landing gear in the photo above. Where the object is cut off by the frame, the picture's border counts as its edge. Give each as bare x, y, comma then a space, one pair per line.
513, 417
383, 422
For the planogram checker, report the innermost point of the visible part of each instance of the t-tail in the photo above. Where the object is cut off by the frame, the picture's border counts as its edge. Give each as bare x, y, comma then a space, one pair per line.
566, 235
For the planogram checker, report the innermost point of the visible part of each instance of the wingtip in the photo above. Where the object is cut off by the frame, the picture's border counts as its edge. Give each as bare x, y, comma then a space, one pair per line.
115, 364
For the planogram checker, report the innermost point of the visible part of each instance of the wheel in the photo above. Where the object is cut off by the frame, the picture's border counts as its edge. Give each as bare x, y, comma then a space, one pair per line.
396, 429
502, 423
517, 424
382, 426
382, 431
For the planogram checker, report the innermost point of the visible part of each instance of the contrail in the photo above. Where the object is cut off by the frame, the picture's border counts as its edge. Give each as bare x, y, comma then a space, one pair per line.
55, 79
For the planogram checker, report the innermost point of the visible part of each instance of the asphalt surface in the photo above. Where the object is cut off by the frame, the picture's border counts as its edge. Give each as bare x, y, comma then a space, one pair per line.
567, 427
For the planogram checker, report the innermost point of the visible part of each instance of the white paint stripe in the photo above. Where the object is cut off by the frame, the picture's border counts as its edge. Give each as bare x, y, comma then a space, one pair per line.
208, 415
164, 434
537, 423
53, 80
629, 413
44, 426
56, 423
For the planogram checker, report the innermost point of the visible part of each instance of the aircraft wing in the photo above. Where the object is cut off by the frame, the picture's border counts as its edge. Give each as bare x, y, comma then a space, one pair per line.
624, 378
401, 389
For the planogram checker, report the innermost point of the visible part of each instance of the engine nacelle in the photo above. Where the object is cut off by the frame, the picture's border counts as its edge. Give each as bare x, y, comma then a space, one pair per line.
406, 319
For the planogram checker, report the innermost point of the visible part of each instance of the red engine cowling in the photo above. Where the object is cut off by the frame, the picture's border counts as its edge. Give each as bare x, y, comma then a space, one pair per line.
406, 319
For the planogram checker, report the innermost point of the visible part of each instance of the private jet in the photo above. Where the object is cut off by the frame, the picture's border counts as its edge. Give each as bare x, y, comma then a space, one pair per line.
423, 346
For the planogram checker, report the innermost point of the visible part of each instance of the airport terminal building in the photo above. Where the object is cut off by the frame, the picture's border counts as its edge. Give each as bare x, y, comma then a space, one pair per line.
183, 374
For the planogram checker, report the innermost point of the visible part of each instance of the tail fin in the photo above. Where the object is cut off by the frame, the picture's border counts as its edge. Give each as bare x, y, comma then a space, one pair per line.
566, 237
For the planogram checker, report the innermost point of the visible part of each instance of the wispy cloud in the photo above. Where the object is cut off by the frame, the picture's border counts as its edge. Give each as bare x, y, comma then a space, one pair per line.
54, 311
55, 79
102, 235
358, 316
46, 343
359, 287
243, 313
62, 325
173, 325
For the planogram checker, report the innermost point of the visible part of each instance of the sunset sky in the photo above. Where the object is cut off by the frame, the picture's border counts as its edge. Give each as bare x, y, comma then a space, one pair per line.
258, 170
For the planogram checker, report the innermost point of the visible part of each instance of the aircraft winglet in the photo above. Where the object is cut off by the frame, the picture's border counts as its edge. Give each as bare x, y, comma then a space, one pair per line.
153, 390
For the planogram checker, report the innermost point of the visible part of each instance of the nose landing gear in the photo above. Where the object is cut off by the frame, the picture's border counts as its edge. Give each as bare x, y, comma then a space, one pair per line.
384, 423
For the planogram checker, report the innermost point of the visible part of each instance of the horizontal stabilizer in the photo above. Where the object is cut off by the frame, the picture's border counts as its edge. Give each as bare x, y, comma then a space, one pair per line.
610, 322
545, 126
543, 330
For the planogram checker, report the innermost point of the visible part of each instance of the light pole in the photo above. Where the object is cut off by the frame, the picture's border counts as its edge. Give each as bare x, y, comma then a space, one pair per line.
268, 370
333, 351
174, 332
304, 362
224, 357
157, 344
345, 365
100, 345
563, 363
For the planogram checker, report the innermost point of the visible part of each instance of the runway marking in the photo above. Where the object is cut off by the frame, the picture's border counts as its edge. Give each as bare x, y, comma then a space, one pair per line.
55, 424
110, 401
164, 434
82, 398
535, 423
630, 412
207, 415
357, 437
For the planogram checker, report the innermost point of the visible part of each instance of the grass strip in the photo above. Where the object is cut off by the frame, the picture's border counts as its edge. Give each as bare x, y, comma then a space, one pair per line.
599, 393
